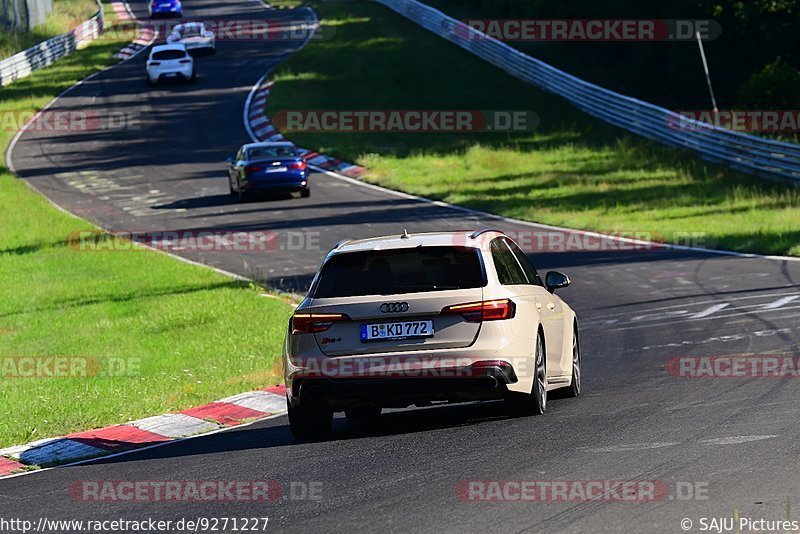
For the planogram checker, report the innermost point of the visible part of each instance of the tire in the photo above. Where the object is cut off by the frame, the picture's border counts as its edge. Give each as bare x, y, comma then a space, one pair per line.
149, 82
233, 193
535, 402
305, 193
194, 77
240, 195
310, 423
574, 389
363, 417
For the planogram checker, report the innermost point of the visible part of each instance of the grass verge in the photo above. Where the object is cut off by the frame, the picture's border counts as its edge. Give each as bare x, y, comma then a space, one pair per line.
66, 15
572, 170
169, 334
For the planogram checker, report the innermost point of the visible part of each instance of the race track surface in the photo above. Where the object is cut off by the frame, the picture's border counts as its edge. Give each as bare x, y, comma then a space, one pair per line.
738, 438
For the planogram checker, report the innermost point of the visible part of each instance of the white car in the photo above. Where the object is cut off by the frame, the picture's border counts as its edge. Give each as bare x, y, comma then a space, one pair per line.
194, 36
416, 319
171, 61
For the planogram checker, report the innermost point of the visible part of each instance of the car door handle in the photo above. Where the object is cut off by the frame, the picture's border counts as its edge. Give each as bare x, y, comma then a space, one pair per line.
538, 305
551, 306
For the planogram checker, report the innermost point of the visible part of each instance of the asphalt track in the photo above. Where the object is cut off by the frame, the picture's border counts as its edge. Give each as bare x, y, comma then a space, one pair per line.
736, 438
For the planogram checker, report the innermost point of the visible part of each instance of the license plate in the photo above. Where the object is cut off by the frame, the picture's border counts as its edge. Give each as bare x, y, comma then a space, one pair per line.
398, 330
276, 169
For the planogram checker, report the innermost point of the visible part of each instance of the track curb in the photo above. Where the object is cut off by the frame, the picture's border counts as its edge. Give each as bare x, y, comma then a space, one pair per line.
146, 34
260, 127
235, 410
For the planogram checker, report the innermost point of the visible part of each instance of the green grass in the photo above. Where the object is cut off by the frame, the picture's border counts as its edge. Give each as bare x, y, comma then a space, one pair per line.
178, 327
66, 15
285, 4
572, 170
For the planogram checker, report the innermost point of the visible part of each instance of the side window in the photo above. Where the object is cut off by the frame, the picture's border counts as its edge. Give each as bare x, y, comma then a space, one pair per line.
525, 263
508, 270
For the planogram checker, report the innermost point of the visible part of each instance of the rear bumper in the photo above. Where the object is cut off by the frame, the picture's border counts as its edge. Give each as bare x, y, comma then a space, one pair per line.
166, 12
199, 45
276, 183
184, 73
483, 380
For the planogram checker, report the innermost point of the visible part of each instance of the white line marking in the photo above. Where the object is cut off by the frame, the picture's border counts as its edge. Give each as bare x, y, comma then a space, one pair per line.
780, 302
702, 302
631, 447
716, 317
710, 310
735, 440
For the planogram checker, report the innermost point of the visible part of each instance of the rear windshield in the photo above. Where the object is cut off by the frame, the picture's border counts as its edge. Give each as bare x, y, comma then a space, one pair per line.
190, 31
271, 152
169, 54
391, 272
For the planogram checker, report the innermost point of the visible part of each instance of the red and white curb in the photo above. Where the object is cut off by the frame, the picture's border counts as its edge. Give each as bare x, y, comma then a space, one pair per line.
261, 129
224, 413
145, 36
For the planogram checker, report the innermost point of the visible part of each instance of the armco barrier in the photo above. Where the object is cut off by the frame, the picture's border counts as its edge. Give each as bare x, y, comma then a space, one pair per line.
748, 153
45, 53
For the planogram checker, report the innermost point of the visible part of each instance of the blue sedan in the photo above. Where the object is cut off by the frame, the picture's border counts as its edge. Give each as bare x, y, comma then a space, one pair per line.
267, 167
165, 8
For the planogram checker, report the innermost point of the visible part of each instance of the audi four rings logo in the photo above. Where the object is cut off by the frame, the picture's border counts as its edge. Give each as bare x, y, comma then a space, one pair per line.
394, 307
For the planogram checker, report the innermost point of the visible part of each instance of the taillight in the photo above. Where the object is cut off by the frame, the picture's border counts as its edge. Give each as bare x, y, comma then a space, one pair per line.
487, 310
154, 63
253, 168
299, 165
310, 323
185, 61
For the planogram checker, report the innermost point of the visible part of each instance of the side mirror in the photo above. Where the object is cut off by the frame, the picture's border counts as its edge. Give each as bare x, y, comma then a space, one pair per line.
229, 159
555, 280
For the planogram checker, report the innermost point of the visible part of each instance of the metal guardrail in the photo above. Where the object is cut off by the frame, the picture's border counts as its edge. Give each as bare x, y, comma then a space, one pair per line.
749, 153
45, 53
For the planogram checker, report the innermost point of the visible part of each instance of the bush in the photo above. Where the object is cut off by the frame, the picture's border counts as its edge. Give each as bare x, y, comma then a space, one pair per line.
775, 86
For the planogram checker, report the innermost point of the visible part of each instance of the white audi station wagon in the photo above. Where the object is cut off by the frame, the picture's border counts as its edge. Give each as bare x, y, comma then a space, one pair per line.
419, 319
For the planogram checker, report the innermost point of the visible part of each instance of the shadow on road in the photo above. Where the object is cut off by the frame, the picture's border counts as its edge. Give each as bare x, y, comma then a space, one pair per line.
276, 433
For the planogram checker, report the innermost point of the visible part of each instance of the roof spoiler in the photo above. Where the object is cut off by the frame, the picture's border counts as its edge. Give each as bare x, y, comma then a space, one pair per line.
477, 233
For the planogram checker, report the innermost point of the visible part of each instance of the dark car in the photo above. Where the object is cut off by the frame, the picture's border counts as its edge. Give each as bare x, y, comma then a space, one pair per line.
165, 8
276, 167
